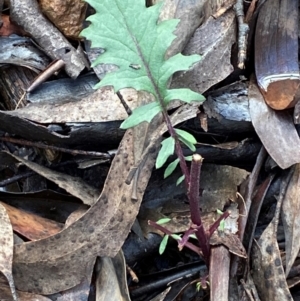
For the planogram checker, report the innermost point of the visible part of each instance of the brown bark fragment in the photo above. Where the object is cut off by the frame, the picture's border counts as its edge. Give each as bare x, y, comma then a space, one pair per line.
66, 15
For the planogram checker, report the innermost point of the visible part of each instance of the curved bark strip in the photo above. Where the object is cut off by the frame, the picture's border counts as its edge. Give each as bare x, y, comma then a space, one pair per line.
276, 53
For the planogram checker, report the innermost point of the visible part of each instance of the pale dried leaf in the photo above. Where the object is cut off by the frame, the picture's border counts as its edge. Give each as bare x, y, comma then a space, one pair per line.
6, 249
5, 295
81, 291
275, 129
290, 215
111, 281
101, 106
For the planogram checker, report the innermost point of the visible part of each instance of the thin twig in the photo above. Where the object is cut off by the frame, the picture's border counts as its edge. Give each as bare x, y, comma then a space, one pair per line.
243, 29
60, 149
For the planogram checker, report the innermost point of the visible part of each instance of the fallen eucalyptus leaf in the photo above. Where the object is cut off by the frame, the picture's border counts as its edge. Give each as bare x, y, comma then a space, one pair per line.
290, 215
275, 129
6, 250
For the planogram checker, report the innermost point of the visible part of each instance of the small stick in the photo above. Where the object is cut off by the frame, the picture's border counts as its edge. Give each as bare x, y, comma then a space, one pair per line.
132, 274
60, 149
223, 9
43, 76
125, 105
250, 11
243, 29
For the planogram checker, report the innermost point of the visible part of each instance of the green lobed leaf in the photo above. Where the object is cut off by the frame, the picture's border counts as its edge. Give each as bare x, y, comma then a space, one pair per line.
170, 168
132, 39
163, 244
167, 149
140, 114
188, 158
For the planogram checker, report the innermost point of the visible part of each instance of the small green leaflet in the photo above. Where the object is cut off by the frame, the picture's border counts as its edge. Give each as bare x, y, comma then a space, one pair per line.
167, 149
188, 139
222, 222
176, 236
140, 114
179, 180
163, 244
170, 168
163, 221
134, 41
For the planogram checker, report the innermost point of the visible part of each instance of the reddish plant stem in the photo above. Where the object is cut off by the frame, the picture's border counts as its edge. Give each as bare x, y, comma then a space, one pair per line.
186, 236
193, 195
168, 232
216, 224
178, 149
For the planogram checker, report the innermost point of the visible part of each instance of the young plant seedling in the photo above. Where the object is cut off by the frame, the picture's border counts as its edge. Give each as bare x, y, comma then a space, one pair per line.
136, 42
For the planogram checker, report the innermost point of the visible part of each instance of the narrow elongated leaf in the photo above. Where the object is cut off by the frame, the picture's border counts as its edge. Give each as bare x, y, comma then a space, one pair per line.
167, 149
179, 180
187, 139
186, 136
163, 221
133, 41
140, 114
188, 144
170, 168
163, 244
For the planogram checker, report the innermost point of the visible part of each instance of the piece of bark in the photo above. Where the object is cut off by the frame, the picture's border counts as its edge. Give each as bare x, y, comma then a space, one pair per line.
67, 16
21, 51
28, 15
63, 90
229, 102
213, 41
277, 70
14, 80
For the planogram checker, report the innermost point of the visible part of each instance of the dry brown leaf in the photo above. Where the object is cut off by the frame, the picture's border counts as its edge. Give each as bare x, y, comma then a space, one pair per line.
30, 225
5, 295
290, 215
268, 273
67, 16
101, 106
6, 250
75, 186
213, 41
267, 270
81, 291
101, 231
275, 129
